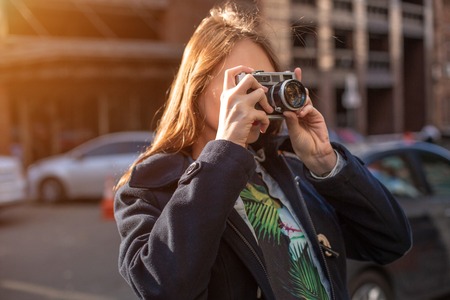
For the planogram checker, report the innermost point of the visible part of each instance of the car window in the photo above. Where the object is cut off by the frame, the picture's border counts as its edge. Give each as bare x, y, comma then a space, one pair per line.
394, 172
437, 172
118, 148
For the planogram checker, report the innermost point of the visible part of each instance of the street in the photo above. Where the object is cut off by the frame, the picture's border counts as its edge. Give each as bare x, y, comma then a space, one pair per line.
65, 252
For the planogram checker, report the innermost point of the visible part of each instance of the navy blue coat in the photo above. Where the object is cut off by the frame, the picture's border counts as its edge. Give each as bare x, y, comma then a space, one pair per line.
182, 238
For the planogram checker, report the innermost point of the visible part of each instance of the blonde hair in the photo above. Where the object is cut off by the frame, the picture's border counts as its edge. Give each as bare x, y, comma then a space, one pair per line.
215, 37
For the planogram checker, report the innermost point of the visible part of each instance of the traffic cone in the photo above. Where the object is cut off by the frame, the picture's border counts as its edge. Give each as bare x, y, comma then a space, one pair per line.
107, 204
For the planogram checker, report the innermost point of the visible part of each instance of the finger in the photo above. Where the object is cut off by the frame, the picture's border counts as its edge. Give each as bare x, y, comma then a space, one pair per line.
298, 74
291, 122
250, 83
259, 96
306, 109
256, 92
263, 120
308, 99
230, 76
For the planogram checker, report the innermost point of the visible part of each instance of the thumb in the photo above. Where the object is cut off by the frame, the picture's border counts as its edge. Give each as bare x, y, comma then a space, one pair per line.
292, 122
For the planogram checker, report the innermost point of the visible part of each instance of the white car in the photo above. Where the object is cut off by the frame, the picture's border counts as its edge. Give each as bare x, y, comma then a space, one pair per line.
83, 171
12, 181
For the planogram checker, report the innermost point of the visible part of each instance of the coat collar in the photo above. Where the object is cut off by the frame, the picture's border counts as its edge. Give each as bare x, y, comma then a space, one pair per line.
159, 170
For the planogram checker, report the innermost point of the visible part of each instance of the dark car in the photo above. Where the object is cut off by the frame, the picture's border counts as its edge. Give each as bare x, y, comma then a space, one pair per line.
418, 175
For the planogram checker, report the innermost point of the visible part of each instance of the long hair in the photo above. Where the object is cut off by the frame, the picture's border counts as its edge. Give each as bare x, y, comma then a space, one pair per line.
215, 37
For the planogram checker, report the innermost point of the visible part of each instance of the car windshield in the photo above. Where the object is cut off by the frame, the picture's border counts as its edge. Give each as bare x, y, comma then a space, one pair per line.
394, 172
134, 147
437, 172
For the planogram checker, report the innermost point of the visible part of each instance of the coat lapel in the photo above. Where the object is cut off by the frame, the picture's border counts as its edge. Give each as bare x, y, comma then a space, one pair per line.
241, 240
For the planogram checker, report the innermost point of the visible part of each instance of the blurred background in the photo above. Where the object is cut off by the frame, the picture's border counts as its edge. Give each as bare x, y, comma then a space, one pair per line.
71, 70
75, 71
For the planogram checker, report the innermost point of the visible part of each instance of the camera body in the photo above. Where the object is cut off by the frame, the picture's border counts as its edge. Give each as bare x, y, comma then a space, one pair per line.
285, 92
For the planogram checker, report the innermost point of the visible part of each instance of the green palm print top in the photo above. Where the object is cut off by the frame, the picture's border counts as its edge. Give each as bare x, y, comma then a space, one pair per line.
294, 272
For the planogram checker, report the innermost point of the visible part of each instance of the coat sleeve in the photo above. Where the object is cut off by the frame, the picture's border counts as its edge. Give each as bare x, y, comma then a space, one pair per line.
373, 223
170, 240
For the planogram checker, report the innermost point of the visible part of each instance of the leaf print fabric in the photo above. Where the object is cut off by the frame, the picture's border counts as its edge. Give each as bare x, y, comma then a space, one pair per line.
262, 212
292, 272
305, 278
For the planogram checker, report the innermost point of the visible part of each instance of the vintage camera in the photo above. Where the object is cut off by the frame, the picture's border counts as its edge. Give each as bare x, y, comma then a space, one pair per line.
285, 92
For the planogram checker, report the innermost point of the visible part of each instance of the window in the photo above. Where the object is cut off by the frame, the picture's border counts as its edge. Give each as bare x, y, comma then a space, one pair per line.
437, 173
118, 148
394, 172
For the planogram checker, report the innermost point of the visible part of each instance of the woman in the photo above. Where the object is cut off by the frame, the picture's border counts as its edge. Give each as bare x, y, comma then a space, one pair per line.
221, 207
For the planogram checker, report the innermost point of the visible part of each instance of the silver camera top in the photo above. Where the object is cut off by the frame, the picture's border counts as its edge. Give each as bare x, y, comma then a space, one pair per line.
268, 78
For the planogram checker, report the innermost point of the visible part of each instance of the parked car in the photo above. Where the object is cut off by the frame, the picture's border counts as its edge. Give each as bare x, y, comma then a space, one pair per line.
83, 171
12, 181
418, 175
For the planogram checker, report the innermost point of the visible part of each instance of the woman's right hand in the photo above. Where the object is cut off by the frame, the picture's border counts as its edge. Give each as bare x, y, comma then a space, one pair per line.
239, 120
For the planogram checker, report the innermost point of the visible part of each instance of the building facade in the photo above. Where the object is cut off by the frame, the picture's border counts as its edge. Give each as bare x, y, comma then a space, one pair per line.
73, 70
367, 62
440, 111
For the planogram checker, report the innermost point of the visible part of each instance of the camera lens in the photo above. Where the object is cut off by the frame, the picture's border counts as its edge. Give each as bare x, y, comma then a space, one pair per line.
289, 95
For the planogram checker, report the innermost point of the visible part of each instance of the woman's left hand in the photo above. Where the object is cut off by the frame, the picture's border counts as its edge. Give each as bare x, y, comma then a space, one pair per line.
309, 136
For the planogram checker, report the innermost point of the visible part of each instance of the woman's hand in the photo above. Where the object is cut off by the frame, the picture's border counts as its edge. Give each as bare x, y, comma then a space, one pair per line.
238, 117
309, 136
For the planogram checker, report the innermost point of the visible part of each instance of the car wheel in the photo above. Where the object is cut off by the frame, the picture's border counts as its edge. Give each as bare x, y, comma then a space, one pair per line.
51, 190
370, 285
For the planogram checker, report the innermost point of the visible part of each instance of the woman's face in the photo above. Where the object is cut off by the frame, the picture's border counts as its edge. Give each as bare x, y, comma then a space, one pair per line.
245, 53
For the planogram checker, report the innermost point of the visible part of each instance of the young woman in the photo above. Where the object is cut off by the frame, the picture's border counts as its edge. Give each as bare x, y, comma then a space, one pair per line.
223, 207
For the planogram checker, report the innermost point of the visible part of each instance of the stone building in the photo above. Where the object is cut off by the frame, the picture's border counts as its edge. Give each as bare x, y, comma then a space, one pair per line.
73, 70
367, 62
440, 97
